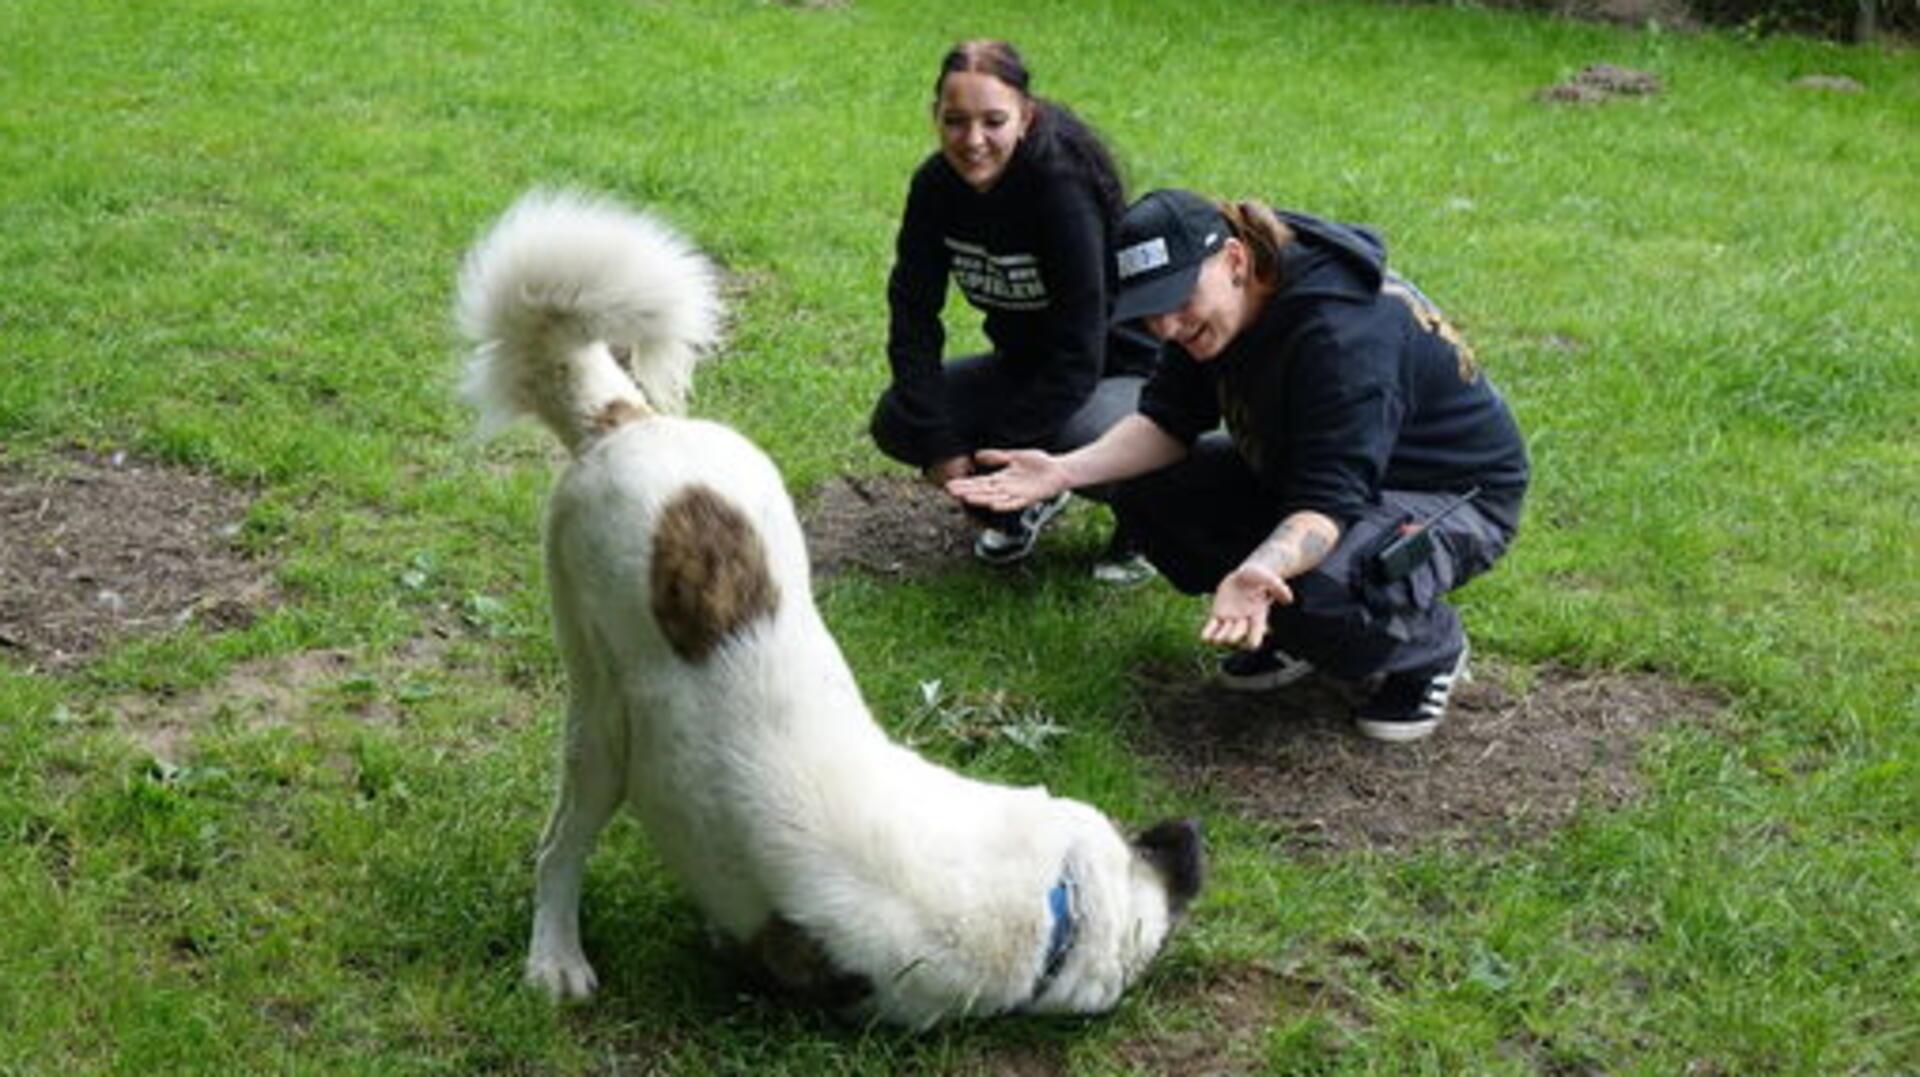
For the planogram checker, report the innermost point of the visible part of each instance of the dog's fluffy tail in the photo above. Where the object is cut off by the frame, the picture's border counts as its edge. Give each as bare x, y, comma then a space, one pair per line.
583, 313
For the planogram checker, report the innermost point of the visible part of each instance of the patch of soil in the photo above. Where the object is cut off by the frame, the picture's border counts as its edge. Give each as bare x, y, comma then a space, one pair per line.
262, 695
1507, 765
1829, 83
1602, 82
890, 525
1234, 1005
1013, 1059
96, 548
278, 692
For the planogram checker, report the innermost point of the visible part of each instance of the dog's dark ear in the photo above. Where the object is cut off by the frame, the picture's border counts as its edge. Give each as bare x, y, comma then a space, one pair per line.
1176, 850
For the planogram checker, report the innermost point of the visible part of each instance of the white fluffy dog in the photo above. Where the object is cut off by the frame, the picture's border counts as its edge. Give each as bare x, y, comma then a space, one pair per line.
707, 694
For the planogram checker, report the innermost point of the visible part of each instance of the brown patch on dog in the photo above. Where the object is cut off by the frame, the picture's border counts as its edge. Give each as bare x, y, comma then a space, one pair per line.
794, 964
709, 574
615, 414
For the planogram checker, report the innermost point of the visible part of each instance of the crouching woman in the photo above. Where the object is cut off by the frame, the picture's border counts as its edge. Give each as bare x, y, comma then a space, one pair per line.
1016, 208
1367, 466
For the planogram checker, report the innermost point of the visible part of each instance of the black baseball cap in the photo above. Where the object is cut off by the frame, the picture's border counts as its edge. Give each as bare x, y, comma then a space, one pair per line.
1159, 246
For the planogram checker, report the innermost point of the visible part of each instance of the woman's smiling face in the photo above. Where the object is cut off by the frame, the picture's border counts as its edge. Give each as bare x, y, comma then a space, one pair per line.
1215, 312
980, 120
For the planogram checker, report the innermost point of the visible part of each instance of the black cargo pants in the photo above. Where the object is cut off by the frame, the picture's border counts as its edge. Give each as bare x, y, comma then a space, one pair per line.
1198, 520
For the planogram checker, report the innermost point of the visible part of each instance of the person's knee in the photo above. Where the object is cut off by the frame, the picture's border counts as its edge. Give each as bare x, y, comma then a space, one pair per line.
1338, 638
1323, 595
891, 434
1112, 399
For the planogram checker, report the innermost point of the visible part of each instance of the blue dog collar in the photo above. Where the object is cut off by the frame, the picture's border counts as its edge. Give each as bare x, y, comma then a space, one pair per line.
1065, 931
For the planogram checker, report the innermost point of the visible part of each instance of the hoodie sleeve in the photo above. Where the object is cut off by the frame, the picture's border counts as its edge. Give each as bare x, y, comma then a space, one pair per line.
1072, 249
916, 292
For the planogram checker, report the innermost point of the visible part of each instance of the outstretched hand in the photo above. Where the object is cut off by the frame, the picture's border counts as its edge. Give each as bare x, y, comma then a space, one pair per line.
1240, 603
1024, 477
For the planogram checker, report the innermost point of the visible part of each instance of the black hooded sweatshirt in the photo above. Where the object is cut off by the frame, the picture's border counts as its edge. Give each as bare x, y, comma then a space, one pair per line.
1348, 382
1030, 254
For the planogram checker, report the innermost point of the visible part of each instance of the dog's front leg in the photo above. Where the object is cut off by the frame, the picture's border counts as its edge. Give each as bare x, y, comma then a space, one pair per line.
591, 772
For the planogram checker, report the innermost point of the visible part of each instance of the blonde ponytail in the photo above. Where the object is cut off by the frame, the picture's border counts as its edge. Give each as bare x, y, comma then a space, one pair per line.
1264, 234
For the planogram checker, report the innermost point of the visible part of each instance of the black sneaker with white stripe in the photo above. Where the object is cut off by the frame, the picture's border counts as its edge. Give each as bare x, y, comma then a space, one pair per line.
996, 546
1410, 706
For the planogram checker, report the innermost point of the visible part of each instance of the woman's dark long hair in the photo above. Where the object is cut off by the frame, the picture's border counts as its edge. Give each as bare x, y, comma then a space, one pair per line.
1057, 140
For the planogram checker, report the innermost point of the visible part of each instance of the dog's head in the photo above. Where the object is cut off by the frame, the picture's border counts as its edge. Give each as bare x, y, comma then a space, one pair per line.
1122, 899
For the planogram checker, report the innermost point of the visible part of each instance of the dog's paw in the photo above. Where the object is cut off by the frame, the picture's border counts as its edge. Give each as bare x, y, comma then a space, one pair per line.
563, 978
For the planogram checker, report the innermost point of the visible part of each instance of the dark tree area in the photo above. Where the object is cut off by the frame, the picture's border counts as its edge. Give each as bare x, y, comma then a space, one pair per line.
1858, 21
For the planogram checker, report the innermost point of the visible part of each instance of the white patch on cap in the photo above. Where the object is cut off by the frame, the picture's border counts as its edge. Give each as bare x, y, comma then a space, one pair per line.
1142, 257
1211, 236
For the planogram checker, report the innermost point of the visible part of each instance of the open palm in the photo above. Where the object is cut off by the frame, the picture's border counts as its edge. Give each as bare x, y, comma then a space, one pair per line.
1024, 476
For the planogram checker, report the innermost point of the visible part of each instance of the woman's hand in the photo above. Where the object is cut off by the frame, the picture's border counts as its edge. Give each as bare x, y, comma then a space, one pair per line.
1024, 477
1240, 603
1239, 614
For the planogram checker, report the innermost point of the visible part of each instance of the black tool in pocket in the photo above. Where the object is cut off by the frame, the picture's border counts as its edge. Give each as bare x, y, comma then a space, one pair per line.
1412, 545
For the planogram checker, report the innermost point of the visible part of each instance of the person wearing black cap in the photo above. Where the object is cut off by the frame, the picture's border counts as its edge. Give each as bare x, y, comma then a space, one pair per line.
1017, 207
1368, 465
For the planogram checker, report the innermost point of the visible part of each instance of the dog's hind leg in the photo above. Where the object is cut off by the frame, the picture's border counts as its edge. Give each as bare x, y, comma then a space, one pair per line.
590, 792
592, 784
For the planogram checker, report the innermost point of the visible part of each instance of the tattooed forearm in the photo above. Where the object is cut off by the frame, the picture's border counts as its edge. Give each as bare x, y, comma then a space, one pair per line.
1301, 542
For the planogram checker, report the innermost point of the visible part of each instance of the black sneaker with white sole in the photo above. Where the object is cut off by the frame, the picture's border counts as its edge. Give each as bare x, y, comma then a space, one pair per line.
1410, 706
1262, 670
996, 546
1123, 563
1124, 570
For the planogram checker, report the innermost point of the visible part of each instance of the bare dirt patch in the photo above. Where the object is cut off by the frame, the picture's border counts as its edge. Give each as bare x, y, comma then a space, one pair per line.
1829, 84
260, 695
296, 691
1601, 82
889, 525
1508, 765
162, 727
96, 548
1220, 1017
1012, 1059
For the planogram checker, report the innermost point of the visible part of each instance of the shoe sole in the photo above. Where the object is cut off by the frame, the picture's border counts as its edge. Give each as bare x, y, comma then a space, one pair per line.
1266, 682
1397, 732
1124, 575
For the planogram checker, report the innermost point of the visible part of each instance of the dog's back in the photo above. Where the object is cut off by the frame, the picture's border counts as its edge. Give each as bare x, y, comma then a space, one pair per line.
680, 585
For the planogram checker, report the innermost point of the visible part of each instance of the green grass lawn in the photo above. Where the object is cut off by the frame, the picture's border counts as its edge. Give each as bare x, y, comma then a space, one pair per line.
228, 237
